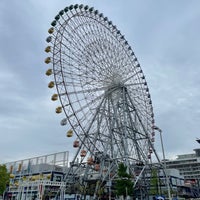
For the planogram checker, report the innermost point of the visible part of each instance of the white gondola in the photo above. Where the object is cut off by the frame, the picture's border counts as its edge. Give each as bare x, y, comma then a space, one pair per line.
63, 122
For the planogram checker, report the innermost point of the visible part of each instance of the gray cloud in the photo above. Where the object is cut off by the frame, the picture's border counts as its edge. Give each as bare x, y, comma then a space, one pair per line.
165, 38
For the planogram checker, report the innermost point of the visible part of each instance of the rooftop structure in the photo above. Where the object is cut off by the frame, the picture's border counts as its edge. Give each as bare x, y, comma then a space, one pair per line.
38, 177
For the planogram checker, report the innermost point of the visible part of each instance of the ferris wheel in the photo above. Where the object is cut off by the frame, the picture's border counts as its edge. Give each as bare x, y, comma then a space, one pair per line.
103, 94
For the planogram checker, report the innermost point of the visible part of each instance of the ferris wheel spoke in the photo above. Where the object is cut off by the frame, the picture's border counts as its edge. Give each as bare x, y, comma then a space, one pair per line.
75, 47
85, 91
87, 114
129, 78
99, 134
92, 122
77, 60
142, 125
116, 123
82, 41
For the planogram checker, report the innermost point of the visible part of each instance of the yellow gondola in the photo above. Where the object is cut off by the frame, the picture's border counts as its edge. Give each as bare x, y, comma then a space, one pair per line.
48, 176
51, 84
12, 176
58, 109
54, 97
49, 72
47, 60
51, 30
48, 49
69, 133
17, 184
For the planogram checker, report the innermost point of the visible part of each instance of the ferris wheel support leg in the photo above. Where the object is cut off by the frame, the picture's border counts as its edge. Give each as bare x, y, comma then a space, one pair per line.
138, 178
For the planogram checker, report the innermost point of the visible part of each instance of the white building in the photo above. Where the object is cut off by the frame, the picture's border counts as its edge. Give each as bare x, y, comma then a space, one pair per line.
188, 165
37, 178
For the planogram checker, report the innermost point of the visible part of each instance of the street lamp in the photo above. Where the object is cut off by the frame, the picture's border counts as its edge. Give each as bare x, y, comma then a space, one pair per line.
161, 141
164, 160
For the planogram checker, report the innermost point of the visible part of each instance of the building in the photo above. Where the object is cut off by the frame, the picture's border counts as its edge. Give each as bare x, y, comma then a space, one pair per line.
188, 166
42, 177
37, 178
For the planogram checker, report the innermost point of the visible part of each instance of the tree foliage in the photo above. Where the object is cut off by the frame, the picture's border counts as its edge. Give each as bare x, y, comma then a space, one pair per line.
4, 178
124, 184
154, 182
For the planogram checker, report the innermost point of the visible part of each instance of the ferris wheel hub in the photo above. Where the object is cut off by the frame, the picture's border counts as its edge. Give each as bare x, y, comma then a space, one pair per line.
114, 80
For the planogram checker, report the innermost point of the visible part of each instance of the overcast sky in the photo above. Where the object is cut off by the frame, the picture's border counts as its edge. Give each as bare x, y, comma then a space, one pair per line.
165, 36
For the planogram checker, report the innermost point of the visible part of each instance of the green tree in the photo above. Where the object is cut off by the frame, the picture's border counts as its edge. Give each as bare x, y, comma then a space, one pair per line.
124, 184
154, 182
4, 178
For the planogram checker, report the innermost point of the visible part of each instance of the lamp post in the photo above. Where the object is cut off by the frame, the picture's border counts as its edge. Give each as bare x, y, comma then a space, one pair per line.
161, 141
164, 161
